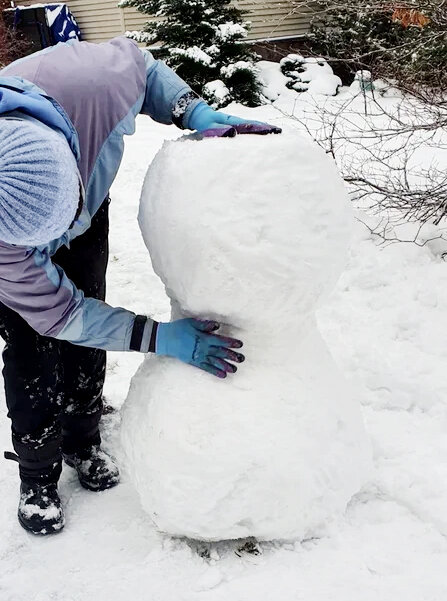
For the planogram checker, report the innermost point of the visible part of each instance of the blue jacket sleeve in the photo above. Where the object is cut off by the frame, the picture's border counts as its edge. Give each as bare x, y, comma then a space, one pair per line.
168, 99
38, 290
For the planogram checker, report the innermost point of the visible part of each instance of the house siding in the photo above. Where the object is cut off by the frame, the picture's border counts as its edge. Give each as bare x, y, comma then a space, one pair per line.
101, 20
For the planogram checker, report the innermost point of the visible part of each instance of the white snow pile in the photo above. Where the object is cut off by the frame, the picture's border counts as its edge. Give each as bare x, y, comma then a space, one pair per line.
217, 93
256, 240
294, 72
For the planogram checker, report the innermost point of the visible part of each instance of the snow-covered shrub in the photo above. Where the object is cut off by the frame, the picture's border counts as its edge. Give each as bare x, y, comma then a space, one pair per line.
292, 66
203, 41
298, 74
216, 93
310, 73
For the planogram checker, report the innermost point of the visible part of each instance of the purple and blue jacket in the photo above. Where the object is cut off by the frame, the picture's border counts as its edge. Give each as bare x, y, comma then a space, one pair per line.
92, 94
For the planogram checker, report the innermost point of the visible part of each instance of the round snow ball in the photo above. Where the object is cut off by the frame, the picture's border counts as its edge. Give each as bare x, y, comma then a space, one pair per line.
246, 226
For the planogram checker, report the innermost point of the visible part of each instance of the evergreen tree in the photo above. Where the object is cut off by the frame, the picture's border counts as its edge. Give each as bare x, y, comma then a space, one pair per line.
203, 41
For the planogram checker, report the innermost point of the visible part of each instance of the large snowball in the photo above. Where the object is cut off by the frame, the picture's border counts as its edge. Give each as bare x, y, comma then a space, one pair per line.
254, 232
247, 228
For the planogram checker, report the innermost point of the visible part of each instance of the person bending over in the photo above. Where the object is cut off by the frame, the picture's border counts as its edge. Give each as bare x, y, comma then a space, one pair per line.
63, 114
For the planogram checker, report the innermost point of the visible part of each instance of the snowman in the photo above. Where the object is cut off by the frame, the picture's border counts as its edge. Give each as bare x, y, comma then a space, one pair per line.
252, 233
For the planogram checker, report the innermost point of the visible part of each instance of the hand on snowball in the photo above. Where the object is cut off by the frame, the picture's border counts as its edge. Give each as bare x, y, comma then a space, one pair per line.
211, 123
193, 341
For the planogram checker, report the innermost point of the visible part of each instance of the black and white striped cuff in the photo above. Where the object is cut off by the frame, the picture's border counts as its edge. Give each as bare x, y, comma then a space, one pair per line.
144, 334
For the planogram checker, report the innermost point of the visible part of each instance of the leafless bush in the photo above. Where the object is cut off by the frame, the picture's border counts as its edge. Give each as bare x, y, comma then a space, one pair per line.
392, 152
11, 45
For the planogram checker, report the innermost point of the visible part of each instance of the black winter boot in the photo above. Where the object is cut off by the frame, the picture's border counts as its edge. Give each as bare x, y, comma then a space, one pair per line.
40, 465
40, 510
96, 470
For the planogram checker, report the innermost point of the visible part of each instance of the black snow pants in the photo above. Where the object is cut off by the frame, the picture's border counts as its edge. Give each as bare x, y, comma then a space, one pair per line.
54, 388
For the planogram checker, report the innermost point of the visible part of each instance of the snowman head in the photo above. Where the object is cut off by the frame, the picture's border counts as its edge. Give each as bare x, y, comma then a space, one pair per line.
246, 229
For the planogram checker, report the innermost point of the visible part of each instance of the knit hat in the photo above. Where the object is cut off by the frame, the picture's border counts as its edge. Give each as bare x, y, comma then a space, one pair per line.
39, 183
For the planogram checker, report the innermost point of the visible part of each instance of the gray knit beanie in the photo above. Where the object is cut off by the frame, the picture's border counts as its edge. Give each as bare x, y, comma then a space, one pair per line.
39, 183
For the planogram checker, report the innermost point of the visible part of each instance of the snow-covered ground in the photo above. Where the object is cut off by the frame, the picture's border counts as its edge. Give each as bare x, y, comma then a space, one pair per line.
386, 325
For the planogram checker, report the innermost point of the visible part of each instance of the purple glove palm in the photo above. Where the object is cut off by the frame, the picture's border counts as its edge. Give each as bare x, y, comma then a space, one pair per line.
211, 123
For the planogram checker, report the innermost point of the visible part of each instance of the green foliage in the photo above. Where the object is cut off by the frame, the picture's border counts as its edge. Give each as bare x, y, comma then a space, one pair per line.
405, 42
203, 41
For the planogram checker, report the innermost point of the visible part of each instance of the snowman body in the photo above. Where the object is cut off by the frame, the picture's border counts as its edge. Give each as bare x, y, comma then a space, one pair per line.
253, 233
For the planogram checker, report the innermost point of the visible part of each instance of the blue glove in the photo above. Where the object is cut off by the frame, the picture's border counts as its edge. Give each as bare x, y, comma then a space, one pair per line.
193, 341
212, 123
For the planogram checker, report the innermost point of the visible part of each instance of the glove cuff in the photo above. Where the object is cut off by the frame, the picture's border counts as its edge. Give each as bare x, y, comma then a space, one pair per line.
144, 334
197, 119
160, 338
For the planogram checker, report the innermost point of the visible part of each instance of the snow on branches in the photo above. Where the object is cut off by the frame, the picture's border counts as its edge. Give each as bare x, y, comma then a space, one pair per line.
205, 43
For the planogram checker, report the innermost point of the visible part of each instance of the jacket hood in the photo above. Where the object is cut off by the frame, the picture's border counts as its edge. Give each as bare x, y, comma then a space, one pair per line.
17, 94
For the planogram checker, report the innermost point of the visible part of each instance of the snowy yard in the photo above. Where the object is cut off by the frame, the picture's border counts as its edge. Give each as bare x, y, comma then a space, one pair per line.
385, 325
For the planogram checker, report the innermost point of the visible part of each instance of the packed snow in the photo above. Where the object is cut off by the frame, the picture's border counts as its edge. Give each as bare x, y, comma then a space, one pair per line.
278, 451
384, 324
